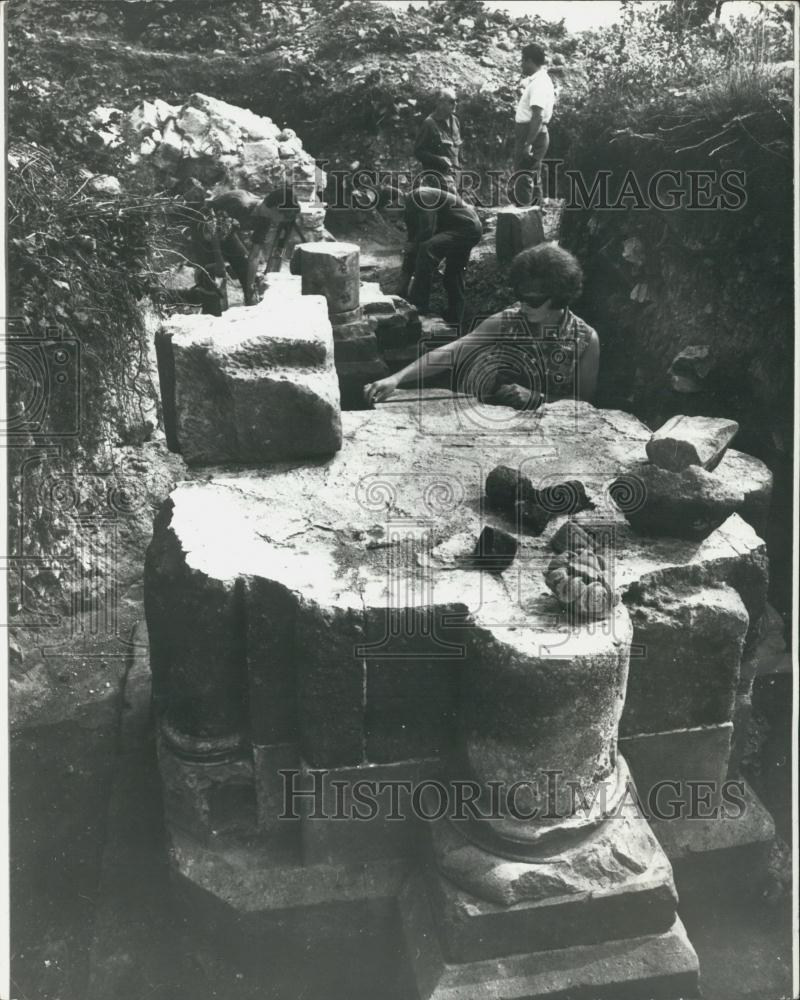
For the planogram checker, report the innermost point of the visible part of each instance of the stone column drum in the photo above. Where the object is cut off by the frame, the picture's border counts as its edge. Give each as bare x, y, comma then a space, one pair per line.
332, 270
541, 712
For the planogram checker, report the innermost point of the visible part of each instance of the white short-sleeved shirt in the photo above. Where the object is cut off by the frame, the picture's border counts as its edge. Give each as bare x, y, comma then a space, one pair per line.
537, 92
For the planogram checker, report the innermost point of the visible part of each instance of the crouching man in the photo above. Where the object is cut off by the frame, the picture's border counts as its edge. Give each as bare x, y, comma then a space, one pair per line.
534, 352
439, 226
238, 215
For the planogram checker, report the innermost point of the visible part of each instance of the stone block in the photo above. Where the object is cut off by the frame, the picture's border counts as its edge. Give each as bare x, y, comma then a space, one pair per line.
684, 441
331, 680
687, 504
659, 966
258, 386
270, 611
271, 789
680, 755
517, 229
257, 159
704, 852
193, 122
220, 112
364, 819
352, 325
374, 302
331, 269
685, 669
195, 625
355, 350
414, 657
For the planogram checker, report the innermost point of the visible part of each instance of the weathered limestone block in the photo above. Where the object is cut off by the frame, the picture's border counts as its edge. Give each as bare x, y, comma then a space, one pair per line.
663, 764
331, 269
257, 158
353, 840
196, 652
270, 613
193, 123
256, 385
686, 669
517, 229
414, 659
687, 504
330, 685
684, 441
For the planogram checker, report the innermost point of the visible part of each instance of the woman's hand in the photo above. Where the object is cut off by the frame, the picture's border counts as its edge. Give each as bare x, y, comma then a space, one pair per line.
376, 392
516, 396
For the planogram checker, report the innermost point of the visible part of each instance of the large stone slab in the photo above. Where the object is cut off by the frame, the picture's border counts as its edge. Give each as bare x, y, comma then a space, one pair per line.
256, 384
684, 441
369, 544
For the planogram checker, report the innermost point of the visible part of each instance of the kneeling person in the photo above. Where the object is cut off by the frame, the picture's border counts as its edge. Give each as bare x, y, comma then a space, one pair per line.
536, 351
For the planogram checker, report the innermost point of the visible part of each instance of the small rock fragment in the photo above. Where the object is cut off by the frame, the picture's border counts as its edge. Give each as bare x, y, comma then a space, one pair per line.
495, 550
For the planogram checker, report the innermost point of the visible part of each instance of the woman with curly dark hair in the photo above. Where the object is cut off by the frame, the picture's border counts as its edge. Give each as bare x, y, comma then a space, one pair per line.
534, 352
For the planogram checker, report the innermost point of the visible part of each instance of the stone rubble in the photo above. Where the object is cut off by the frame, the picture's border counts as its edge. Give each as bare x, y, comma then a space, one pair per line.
221, 144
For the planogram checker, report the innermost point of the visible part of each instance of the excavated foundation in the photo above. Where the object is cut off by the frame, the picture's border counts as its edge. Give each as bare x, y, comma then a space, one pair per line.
317, 624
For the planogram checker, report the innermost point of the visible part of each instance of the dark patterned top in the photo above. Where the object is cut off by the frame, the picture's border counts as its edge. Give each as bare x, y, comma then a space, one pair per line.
519, 352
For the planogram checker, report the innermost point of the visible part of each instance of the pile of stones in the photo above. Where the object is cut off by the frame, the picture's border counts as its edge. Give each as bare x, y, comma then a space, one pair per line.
220, 144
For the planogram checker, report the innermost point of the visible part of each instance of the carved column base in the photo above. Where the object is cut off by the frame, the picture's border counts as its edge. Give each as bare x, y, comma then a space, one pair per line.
589, 914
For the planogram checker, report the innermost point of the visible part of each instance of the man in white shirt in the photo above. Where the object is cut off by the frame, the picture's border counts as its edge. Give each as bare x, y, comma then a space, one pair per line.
531, 137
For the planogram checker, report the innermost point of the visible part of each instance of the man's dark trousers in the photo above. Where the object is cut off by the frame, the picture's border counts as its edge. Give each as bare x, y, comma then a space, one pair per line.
526, 185
421, 260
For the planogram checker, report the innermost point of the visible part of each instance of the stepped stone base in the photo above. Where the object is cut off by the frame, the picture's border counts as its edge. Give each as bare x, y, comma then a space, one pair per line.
661, 965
